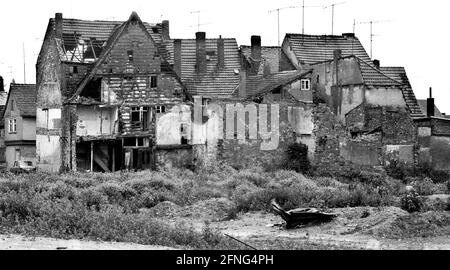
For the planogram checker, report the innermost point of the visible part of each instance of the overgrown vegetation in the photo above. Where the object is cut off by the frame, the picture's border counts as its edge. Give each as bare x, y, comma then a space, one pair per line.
110, 207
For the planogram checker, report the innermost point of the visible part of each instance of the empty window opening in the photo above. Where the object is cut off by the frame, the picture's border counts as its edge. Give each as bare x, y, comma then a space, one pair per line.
184, 133
155, 30
140, 141
140, 118
305, 85
130, 56
93, 89
153, 81
73, 70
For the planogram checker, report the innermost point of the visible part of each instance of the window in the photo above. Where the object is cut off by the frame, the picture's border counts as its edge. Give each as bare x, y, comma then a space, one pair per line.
153, 81
130, 56
305, 85
12, 127
73, 70
160, 109
184, 133
139, 118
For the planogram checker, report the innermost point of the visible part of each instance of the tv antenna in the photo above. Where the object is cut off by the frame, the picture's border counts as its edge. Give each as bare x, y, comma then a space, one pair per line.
332, 14
303, 14
278, 18
24, 65
198, 19
371, 23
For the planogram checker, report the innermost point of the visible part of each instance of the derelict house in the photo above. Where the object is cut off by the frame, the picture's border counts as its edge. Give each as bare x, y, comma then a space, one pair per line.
101, 86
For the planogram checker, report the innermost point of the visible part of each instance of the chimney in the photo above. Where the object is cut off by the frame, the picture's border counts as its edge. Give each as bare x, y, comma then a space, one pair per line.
349, 35
430, 104
177, 56
2, 88
376, 63
242, 83
256, 48
58, 25
220, 53
337, 55
165, 30
200, 66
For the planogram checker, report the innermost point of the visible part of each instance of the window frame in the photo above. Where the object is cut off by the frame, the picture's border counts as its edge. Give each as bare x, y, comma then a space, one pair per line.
12, 126
305, 85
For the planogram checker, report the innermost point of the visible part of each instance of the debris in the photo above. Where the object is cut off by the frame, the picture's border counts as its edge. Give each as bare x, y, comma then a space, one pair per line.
301, 216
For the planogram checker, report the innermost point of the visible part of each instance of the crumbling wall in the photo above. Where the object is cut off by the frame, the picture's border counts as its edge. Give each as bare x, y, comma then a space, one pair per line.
173, 157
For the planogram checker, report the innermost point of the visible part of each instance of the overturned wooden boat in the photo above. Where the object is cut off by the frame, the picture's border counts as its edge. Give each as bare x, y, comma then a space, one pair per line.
301, 216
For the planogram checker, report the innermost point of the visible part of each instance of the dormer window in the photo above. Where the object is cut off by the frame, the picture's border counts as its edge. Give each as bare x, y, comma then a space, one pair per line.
305, 85
130, 56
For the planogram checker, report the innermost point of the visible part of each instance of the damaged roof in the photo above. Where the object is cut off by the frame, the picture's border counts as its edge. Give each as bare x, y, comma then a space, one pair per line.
24, 96
271, 55
259, 84
310, 49
215, 82
399, 74
85, 39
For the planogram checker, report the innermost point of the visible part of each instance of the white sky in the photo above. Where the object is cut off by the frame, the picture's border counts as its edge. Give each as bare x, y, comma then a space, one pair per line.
414, 36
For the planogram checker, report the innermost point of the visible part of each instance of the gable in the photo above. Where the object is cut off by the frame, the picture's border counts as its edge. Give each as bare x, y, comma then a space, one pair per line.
134, 51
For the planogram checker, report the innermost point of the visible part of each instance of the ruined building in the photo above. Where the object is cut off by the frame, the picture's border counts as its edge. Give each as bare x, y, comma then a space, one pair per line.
102, 86
125, 95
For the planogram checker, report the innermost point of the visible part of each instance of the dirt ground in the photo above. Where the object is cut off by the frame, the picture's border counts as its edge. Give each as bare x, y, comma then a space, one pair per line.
354, 228
17, 242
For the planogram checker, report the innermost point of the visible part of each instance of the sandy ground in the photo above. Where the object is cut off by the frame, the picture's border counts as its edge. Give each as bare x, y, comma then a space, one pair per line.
17, 242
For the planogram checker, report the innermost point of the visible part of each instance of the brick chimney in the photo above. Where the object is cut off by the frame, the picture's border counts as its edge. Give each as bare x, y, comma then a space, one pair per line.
177, 56
58, 25
200, 38
337, 55
256, 47
376, 63
220, 52
2, 88
430, 104
165, 30
242, 83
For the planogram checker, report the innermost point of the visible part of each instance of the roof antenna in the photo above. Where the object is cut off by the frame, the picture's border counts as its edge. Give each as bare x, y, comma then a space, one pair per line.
278, 17
303, 15
24, 65
371, 33
332, 14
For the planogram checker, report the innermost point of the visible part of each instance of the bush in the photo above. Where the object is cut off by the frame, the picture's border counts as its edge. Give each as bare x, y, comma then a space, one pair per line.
411, 202
424, 187
297, 158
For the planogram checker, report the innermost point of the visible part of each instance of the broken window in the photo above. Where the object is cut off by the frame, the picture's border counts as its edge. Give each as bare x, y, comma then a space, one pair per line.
153, 81
93, 89
305, 85
73, 70
130, 56
184, 133
140, 118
